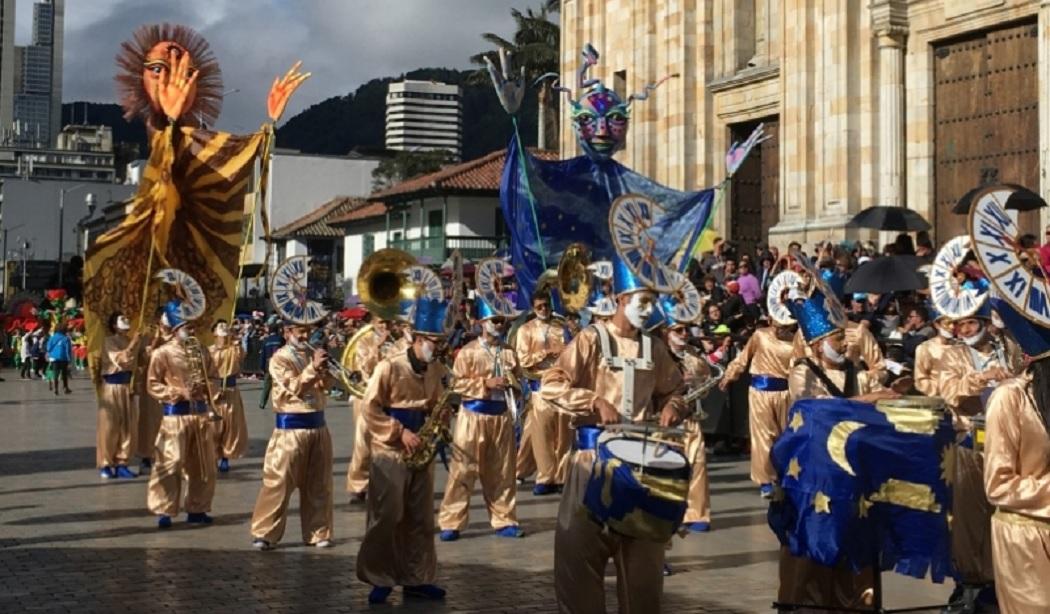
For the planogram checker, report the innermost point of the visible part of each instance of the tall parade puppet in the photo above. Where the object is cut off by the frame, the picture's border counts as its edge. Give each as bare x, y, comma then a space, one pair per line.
190, 207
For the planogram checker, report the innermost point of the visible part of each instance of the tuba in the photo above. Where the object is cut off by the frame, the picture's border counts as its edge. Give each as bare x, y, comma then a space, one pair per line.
381, 283
352, 379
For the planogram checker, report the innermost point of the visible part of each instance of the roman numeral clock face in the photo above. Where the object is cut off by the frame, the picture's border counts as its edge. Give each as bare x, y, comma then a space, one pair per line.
288, 292
489, 283
1015, 273
631, 219
949, 296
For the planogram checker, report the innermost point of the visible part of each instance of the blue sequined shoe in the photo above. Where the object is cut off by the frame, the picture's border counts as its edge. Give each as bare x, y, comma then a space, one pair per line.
198, 518
378, 594
510, 531
698, 527
224, 465
164, 522
544, 489
107, 473
766, 491
448, 536
124, 472
425, 591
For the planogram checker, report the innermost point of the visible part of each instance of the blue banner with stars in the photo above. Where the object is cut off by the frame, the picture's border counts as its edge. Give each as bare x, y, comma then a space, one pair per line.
861, 484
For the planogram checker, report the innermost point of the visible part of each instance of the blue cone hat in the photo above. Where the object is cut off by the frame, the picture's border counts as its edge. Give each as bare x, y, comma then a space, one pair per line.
624, 279
814, 315
429, 317
1033, 338
172, 316
485, 311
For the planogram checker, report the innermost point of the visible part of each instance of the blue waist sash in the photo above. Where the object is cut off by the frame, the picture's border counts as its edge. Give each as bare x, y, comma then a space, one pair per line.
185, 408
411, 419
120, 377
308, 420
768, 383
534, 385
587, 437
230, 381
489, 407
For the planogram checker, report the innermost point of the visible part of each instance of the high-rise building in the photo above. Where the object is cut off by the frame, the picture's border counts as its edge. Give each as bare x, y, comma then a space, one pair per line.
424, 116
7, 65
38, 91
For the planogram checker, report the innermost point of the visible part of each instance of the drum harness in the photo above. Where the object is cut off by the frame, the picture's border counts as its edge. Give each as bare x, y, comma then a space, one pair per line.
627, 365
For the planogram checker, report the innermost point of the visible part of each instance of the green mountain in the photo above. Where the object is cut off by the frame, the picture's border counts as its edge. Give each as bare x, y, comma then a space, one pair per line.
341, 124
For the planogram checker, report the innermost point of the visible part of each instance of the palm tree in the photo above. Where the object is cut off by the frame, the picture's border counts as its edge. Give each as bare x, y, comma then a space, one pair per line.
536, 46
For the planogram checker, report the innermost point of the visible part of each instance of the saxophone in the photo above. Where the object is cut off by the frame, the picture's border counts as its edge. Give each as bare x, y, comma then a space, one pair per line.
434, 431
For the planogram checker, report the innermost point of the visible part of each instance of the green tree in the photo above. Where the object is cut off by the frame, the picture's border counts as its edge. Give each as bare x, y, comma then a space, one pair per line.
536, 45
408, 164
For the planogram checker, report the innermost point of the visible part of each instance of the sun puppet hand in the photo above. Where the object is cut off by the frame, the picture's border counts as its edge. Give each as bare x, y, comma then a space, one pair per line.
282, 89
175, 86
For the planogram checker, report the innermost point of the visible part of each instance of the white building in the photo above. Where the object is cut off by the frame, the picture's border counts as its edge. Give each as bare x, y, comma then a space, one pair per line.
83, 154
424, 116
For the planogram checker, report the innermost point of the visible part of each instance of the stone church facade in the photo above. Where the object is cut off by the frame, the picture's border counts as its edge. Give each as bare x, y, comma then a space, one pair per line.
869, 102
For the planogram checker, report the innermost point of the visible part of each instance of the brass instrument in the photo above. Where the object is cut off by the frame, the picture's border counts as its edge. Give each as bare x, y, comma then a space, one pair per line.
500, 370
701, 391
574, 279
434, 431
381, 284
353, 378
199, 372
335, 368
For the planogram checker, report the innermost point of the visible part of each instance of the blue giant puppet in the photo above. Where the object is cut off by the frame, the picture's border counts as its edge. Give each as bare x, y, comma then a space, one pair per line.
550, 204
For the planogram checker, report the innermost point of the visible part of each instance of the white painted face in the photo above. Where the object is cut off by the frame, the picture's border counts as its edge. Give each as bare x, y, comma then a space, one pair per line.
222, 330
639, 308
831, 353
427, 349
123, 324
492, 329
183, 333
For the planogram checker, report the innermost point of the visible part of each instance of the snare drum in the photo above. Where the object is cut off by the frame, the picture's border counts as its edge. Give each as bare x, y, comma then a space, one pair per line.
638, 487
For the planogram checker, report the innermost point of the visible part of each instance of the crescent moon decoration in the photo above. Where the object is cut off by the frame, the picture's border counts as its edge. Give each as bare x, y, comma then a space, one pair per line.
191, 293
837, 440
288, 292
947, 294
778, 310
1013, 270
631, 219
488, 278
836, 312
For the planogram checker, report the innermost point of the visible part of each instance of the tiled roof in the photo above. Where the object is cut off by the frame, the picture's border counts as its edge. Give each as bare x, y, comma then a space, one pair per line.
315, 223
367, 210
479, 175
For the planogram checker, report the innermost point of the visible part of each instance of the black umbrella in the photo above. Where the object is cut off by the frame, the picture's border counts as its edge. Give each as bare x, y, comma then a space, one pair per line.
886, 274
889, 218
1022, 199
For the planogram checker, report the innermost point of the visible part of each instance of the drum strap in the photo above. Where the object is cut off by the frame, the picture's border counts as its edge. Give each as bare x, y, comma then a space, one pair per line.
833, 390
627, 365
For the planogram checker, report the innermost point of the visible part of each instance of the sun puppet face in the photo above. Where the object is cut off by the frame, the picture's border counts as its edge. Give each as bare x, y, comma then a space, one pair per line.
158, 65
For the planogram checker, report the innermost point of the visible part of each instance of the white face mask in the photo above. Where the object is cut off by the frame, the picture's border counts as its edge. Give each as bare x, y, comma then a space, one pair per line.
676, 341
491, 329
944, 332
222, 330
426, 349
997, 321
975, 339
183, 334
122, 323
831, 353
637, 313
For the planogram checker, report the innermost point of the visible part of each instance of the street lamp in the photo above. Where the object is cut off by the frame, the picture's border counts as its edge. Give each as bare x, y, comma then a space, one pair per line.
80, 230
90, 198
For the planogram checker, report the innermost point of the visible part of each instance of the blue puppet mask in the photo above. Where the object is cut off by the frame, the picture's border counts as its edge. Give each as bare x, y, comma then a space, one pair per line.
600, 118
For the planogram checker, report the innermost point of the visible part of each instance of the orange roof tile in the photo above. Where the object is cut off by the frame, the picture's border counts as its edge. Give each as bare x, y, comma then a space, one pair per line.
369, 209
315, 223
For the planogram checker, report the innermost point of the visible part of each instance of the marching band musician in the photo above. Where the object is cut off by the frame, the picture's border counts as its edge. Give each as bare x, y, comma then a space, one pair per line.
299, 455
821, 321
398, 545
370, 350
695, 371
118, 414
537, 346
929, 357
185, 446
226, 357
767, 355
150, 412
483, 439
585, 383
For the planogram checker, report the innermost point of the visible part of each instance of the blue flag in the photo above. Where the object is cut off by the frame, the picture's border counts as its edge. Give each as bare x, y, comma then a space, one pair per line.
865, 486
549, 205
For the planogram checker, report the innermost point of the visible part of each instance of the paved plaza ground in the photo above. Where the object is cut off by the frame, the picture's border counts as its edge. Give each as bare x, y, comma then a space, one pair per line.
70, 542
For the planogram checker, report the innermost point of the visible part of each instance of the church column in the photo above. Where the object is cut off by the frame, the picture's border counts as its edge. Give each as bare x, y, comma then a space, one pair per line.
891, 116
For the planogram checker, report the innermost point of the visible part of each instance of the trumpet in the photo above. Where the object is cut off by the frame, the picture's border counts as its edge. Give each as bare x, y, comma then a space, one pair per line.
335, 368
701, 391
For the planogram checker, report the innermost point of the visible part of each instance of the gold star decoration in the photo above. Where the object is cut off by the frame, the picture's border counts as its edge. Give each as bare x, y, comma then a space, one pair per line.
794, 468
822, 503
863, 506
948, 464
797, 421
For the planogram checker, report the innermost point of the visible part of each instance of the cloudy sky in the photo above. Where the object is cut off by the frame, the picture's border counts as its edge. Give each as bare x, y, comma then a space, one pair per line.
342, 42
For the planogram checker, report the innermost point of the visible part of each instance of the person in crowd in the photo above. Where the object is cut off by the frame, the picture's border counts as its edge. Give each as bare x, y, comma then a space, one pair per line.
710, 291
59, 355
750, 287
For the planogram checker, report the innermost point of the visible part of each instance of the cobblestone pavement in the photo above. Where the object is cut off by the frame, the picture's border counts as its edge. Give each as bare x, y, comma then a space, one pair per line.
69, 542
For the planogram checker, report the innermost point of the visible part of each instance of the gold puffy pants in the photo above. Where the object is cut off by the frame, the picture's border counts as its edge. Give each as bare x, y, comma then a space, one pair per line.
185, 453
482, 447
699, 498
526, 461
361, 457
971, 519
803, 581
150, 416
768, 412
232, 435
116, 436
398, 546
1021, 550
582, 548
296, 459
551, 442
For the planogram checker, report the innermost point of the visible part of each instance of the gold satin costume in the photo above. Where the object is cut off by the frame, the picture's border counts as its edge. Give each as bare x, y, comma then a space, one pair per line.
398, 545
231, 437
482, 445
860, 343
118, 414
368, 356
549, 436
928, 365
1017, 482
582, 547
299, 458
150, 411
764, 354
696, 371
803, 581
971, 511
185, 450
